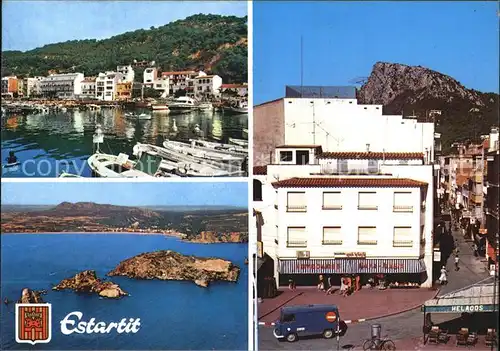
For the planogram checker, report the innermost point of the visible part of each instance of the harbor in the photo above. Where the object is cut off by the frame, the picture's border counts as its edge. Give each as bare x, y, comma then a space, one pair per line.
108, 139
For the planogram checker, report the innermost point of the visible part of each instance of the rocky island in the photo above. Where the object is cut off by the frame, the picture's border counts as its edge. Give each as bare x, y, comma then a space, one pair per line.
88, 282
170, 265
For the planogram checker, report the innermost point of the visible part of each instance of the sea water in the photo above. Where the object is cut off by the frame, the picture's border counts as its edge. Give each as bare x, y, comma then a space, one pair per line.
175, 315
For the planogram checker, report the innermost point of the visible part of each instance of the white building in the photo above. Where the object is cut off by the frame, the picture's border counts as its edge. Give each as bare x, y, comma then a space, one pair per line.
350, 192
151, 80
207, 86
240, 90
106, 85
89, 88
182, 80
127, 73
63, 86
32, 86
149, 76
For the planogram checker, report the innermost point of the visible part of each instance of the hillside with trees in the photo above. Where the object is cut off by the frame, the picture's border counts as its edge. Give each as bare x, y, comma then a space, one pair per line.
213, 43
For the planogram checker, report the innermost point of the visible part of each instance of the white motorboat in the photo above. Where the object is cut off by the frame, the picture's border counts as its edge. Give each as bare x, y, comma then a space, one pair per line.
206, 106
239, 142
233, 149
111, 166
183, 104
201, 153
142, 116
159, 108
238, 108
184, 169
234, 168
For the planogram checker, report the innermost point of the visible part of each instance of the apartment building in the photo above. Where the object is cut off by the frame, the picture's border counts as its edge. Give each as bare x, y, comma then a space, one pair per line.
106, 85
127, 72
150, 75
32, 86
207, 86
9, 86
182, 80
124, 90
89, 88
349, 190
64, 86
152, 80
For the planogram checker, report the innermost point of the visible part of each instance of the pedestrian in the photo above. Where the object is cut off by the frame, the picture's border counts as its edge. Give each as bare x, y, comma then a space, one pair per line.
443, 279
456, 262
291, 284
321, 283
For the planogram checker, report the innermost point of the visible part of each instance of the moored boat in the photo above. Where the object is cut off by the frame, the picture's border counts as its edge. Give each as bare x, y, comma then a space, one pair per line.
159, 107
239, 142
183, 104
237, 108
202, 153
219, 146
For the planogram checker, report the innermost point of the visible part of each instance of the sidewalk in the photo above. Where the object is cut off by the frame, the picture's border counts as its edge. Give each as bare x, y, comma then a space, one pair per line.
418, 344
362, 305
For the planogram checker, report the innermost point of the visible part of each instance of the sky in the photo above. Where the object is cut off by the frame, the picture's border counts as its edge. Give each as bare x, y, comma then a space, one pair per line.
342, 41
27, 25
233, 194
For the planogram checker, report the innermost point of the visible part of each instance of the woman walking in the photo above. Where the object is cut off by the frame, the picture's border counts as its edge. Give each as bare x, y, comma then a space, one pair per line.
443, 278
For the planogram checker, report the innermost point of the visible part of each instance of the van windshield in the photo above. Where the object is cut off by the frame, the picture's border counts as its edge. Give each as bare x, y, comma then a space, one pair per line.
287, 318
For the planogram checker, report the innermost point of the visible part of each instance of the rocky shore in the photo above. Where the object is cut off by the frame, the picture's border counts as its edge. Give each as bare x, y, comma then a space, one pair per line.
170, 265
31, 296
88, 282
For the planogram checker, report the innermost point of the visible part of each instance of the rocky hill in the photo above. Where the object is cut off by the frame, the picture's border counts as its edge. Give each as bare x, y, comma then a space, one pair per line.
93, 217
415, 90
216, 44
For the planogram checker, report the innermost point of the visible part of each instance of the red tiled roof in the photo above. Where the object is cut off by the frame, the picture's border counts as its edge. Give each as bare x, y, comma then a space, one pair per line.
348, 182
260, 170
373, 155
179, 72
298, 146
233, 86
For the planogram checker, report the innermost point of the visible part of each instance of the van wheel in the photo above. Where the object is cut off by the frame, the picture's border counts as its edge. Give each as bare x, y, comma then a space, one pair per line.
291, 337
328, 334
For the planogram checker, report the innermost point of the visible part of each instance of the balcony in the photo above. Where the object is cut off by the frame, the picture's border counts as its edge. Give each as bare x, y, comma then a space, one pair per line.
367, 207
367, 242
402, 243
332, 242
296, 208
331, 207
296, 243
402, 208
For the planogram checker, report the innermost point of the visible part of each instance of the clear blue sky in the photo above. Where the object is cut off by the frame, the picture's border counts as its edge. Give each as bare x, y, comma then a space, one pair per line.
127, 194
343, 40
30, 24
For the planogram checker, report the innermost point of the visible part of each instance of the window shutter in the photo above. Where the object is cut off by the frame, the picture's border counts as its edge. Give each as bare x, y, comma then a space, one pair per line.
296, 201
297, 237
332, 200
367, 200
332, 236
367, 235
402, 237
402, 201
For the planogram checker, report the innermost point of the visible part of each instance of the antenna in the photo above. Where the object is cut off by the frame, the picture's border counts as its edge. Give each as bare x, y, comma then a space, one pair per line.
301, 67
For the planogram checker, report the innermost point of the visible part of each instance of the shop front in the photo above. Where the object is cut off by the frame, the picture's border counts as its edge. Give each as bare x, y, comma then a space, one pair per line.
393, 273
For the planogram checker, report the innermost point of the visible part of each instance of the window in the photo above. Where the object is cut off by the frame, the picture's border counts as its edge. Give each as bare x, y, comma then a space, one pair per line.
402, 202
287, 318
342, 166
402, 237
296, 237
286, 156
257, 190
332, 201
296, 202
332, 236
302, 157
367, 236
367, 201
372, 166
403, 162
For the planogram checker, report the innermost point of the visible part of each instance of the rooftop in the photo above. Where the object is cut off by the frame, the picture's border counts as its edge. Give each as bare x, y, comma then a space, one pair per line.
178, 72
260, 170
298, 146
369, 155
329, 92
348, 182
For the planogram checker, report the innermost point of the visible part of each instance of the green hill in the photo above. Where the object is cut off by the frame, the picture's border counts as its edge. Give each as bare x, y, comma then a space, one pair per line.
214, 43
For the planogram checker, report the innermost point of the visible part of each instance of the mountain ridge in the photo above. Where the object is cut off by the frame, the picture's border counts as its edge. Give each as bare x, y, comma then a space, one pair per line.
215, 43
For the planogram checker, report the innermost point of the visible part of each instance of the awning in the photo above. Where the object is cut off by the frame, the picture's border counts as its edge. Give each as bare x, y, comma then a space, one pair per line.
479, 297
351, 266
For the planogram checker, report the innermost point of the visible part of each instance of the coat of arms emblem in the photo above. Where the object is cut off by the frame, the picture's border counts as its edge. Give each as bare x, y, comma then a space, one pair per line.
33, 323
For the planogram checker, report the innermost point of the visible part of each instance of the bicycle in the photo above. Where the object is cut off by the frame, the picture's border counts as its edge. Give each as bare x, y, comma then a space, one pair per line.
385, 344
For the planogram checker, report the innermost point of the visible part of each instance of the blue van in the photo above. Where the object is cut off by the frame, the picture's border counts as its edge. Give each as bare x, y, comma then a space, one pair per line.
304, 320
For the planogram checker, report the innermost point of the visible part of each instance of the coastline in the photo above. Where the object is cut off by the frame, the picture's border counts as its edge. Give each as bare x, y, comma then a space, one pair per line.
96, 233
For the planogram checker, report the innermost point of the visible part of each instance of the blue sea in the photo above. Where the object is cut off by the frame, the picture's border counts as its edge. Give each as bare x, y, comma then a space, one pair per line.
174, 315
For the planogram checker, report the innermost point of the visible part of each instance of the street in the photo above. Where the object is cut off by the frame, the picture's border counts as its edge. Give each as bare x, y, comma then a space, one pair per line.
406, 325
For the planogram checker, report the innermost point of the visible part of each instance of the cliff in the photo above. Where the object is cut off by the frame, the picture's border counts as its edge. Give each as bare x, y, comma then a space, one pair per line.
415, 90
170, 265
87, 282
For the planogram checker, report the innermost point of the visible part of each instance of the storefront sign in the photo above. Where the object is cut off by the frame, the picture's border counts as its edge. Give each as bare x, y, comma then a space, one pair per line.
437, 256
356, 254
460, 309
351, 266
